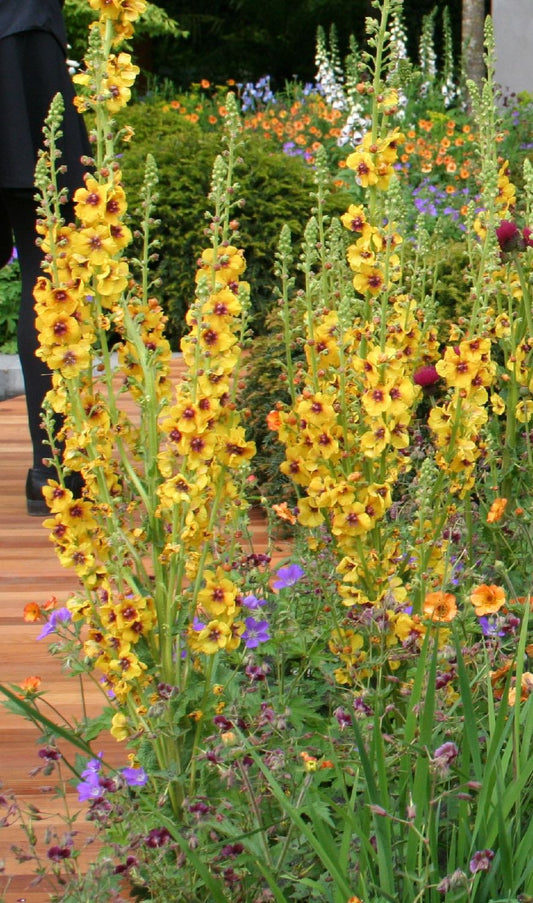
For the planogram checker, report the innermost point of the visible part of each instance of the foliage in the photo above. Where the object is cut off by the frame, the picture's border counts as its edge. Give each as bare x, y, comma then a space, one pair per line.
353, 723
155, 22
9, 306
275, 190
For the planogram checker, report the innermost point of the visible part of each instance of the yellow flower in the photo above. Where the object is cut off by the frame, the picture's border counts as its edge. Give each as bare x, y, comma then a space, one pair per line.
119, 726
352, 521
219, 594
90, 202
362, 163
309, 514
71, 360
376, 400
369, 279
211, 638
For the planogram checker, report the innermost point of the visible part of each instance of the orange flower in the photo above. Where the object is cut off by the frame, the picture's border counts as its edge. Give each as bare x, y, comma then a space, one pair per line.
496, 510
498, 678
440, 606
274, 421
31, 684
32, 612
50, 603
205, 83
282, 510
526, 689
487, 600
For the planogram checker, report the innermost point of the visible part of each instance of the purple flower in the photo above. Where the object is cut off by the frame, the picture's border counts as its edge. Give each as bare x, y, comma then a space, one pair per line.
252, 602
135, 777
90, 788
481, 861
342, 717
59, 616
489, 625
57, 853
288, 576
256, 632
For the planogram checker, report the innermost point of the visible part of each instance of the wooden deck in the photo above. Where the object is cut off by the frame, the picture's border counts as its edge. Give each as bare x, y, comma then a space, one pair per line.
30, 571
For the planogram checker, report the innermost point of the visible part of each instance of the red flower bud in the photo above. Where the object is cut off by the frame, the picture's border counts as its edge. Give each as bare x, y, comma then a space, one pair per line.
426, 376
509, 236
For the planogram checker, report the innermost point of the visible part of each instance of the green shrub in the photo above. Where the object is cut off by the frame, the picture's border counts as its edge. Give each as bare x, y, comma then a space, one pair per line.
276, 190
9, 306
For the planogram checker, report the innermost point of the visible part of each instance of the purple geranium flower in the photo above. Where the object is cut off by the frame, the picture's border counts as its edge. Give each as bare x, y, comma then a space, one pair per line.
489, 625
288, 576
256, 632
59, 616
90, 788
135, 777
252, 602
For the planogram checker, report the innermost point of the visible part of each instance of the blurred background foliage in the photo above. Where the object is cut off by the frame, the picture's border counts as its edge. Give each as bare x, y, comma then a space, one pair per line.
242, 39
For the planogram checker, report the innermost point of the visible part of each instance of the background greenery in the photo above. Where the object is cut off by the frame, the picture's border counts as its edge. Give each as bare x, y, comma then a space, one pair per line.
244, 40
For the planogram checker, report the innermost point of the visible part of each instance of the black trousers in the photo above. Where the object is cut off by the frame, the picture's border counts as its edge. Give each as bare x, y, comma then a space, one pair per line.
22, 213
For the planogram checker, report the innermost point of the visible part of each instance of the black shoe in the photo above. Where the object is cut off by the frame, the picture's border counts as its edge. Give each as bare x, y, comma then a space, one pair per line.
36, 480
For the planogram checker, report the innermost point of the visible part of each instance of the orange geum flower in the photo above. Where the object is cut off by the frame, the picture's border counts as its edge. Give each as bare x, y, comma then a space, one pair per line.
283, 511
273, 421
440, 606
32, 612
487, 600
30, 685
496, 510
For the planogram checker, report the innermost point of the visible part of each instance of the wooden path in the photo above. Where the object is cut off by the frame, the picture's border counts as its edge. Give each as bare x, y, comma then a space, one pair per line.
30, 571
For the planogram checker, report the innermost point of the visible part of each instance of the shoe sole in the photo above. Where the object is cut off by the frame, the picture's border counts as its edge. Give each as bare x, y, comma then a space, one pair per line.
37, 508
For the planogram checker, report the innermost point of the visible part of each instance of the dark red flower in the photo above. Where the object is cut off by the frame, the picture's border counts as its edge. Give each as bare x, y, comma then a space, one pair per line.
527, 235
509, 236
426, 376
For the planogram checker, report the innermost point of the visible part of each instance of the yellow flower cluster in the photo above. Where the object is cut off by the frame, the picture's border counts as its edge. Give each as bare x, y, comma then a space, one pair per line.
521, 366
346, 436
505, 200
119, 76
372, 160
119, 14
457, 423
206, 445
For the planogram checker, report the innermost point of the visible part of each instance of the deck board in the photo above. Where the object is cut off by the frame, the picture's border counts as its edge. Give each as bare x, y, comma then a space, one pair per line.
30, 571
